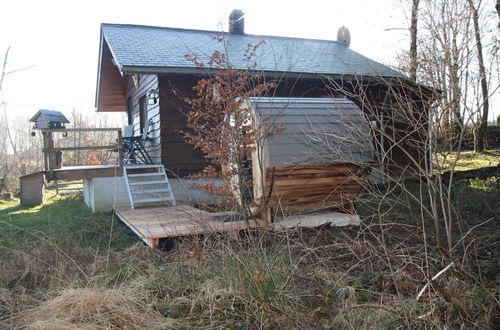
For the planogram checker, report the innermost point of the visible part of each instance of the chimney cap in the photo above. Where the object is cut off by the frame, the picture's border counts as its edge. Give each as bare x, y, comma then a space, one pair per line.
237, 22
344, 36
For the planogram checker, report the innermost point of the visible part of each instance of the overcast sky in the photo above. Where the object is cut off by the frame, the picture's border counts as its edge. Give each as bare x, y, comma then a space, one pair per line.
61, 38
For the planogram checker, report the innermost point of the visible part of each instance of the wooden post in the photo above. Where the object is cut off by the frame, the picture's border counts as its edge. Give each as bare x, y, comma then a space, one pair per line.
120, 149
45, 153
51, 154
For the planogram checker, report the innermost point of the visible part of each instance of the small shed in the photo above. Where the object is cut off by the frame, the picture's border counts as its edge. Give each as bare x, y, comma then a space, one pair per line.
49, 119
316, 157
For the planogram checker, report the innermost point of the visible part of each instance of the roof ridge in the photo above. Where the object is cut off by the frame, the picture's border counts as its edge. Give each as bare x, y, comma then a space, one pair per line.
215, 32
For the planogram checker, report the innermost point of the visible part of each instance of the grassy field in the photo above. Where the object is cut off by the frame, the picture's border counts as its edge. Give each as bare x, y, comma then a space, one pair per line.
61, 220
468, 160
62, 267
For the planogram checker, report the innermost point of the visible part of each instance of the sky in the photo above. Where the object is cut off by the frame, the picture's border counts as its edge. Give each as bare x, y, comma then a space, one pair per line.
59, 40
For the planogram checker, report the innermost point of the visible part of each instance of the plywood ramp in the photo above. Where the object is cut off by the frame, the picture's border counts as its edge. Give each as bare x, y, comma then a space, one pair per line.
153, 223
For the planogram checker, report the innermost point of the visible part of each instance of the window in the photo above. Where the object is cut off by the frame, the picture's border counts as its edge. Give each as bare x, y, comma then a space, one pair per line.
130, 111
143, 112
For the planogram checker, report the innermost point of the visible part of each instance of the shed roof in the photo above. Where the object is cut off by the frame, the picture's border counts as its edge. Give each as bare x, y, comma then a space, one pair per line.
314, 131
151, 49
50, 116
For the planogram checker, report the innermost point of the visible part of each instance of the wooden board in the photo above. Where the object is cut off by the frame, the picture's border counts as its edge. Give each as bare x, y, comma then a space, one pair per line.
86, 172
152, 224
179, 157
311, 187
312, 220
111, 84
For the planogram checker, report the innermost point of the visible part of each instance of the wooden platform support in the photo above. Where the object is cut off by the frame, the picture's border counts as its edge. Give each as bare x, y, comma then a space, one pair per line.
33, 184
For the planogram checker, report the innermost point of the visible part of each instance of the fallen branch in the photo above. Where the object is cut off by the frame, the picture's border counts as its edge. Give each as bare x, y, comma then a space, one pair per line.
433, 279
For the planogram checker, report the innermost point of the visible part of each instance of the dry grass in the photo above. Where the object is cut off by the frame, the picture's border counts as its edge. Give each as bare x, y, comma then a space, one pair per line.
329, 278
98, 308
355, 278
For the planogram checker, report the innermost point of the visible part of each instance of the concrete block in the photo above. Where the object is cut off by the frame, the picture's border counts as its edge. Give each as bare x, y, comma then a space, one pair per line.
101, 194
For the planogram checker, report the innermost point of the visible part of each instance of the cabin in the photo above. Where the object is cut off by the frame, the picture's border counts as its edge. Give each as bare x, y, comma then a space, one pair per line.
147, 73
143, 72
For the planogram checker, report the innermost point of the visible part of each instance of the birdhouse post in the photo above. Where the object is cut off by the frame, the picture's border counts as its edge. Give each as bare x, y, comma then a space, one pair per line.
46, 120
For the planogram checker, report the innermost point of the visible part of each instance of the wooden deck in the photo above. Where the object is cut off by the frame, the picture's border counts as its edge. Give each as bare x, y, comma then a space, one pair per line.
86, 172
153, 223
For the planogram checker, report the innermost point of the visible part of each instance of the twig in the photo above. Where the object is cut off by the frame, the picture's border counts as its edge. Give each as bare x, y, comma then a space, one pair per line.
433, 279
469, 231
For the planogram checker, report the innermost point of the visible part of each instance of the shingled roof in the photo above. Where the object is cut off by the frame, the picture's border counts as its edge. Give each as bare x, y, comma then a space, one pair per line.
50, 116
149, 49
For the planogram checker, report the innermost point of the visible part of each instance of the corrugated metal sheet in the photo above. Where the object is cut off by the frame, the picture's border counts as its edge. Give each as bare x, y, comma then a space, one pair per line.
152, 49
314, 131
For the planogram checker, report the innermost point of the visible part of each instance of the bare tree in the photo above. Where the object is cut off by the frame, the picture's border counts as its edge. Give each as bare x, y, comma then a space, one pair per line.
497, 7
451, 59
9, 150
480, 136
444, 60
413, 37
221, 127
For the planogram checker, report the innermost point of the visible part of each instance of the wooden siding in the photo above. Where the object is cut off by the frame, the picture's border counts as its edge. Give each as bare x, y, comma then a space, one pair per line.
296, 174
181, 159
310, 128
146, 83
178, 156
111, 85
310, 187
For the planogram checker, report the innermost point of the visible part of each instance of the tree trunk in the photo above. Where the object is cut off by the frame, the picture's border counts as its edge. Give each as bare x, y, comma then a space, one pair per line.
413, 44
498, 11
481, 133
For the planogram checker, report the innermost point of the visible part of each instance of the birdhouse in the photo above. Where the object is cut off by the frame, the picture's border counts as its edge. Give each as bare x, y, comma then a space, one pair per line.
49, 119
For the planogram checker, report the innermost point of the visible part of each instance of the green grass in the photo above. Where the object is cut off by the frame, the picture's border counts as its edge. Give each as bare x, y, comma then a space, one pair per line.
468, 160
68, 186
63, 219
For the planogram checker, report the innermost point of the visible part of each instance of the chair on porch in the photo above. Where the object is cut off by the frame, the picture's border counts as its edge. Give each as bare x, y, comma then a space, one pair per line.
134, 146
110, 158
